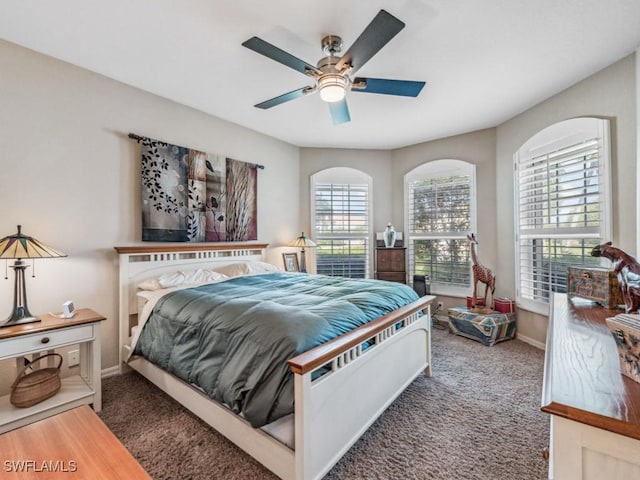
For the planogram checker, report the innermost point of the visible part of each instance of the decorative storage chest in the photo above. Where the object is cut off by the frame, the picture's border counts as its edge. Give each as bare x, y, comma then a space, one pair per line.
488, 328
597, 284
626, 332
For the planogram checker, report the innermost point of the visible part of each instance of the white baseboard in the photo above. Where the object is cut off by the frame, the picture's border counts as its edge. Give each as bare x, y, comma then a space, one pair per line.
531, 341
442, 318
110, 372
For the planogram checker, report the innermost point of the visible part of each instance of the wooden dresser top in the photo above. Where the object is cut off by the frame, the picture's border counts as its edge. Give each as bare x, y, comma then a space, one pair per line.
49, 322
76, 442
582, 379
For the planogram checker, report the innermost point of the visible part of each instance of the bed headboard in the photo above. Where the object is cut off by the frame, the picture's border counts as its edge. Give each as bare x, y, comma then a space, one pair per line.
140, 262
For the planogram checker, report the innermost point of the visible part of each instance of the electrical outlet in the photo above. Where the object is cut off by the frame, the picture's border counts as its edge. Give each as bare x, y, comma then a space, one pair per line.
73, 358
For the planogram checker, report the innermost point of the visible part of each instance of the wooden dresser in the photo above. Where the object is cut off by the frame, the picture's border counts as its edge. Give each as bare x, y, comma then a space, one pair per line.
595, 411
74, 444
391, 264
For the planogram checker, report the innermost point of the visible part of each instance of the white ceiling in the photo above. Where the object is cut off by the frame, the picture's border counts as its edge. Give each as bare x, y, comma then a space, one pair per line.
484, 61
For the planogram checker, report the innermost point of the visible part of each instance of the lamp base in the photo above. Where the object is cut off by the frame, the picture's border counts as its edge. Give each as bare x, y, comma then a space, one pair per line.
21, 313
10, 322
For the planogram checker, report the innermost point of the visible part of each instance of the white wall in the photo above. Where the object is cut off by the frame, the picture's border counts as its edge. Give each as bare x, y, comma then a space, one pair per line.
71, 176
610, 93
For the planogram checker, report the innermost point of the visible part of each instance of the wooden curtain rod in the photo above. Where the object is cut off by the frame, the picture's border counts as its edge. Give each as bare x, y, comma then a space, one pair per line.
138, 138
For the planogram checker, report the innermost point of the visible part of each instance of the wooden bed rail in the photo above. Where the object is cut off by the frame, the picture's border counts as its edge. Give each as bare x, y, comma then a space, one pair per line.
322, 354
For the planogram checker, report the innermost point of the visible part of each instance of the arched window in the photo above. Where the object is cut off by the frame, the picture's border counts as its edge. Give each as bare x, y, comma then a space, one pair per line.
562, 206
340, 216
440, 204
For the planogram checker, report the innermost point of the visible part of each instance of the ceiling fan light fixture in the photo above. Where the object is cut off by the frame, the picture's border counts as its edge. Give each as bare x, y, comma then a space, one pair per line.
332, 86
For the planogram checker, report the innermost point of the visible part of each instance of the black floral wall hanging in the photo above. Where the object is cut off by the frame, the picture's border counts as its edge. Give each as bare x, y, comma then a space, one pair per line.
193, 196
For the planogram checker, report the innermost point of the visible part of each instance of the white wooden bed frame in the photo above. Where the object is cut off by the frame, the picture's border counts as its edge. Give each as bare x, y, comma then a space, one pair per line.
332, 412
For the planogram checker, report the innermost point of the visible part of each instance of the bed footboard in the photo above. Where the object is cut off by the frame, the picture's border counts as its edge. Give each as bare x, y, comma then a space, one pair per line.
359, 382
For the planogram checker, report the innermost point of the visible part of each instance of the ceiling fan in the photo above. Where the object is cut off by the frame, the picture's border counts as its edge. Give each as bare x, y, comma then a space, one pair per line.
332, 74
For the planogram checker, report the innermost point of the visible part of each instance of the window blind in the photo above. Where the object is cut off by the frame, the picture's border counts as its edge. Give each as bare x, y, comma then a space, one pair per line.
560, 216
439, 219
342, 229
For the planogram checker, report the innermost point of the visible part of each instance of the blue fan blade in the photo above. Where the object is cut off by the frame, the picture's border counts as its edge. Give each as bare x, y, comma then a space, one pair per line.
339, 112
376, 35
274, 53
284, 98
405, 88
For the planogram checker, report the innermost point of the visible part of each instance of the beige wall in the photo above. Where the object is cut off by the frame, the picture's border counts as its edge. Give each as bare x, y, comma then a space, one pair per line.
478, 148
387, 168
637, 90
375, 163
611, 94
71, 176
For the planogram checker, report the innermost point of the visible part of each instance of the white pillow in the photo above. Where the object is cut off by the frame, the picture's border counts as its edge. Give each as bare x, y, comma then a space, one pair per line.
247, 268
175, 279
200, 276
262, 267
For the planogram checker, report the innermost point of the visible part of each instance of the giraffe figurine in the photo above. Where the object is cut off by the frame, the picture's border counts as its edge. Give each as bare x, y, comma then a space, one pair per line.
481, 274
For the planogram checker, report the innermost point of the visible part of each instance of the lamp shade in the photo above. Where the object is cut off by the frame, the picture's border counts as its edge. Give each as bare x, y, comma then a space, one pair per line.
19, 247
303, 242
23, 246
332, 87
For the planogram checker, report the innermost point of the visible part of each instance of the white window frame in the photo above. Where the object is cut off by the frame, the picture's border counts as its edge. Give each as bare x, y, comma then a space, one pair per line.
345, 175
435, 169
556, 137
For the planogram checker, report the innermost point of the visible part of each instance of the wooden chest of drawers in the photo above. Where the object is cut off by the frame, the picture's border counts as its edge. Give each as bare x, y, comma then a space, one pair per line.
390, 264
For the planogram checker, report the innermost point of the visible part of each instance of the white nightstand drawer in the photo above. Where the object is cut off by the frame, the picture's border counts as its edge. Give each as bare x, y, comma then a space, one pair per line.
45, 341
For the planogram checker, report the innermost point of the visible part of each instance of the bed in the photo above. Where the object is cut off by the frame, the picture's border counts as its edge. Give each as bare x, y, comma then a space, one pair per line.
372, 363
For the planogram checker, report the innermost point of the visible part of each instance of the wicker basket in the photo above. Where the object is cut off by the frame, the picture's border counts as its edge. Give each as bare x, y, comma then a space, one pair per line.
34, 387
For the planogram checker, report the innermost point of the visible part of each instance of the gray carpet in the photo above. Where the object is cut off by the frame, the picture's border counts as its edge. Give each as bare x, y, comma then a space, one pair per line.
477, 417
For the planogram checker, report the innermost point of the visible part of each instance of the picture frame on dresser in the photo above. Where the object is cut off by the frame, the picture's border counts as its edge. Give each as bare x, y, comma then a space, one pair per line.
290, 262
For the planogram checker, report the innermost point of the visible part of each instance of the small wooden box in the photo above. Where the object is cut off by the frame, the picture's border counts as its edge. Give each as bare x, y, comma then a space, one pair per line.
626, 332
597, 284
504, 305
479, 302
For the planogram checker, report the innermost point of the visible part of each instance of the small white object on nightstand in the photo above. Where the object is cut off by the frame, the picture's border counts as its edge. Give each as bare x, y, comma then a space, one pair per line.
68, 310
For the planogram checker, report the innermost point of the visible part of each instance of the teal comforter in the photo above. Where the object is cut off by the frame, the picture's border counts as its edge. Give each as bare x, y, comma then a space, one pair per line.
233, 339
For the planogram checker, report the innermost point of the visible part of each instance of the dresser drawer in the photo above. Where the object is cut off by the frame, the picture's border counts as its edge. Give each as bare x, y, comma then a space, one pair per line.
44, 341
390, 260
392, 276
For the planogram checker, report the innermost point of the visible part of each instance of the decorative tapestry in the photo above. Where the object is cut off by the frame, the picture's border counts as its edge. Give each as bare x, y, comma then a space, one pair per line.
193, 196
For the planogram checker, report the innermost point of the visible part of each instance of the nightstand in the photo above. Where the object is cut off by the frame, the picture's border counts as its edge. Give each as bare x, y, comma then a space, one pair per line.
45, 336
390, 264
